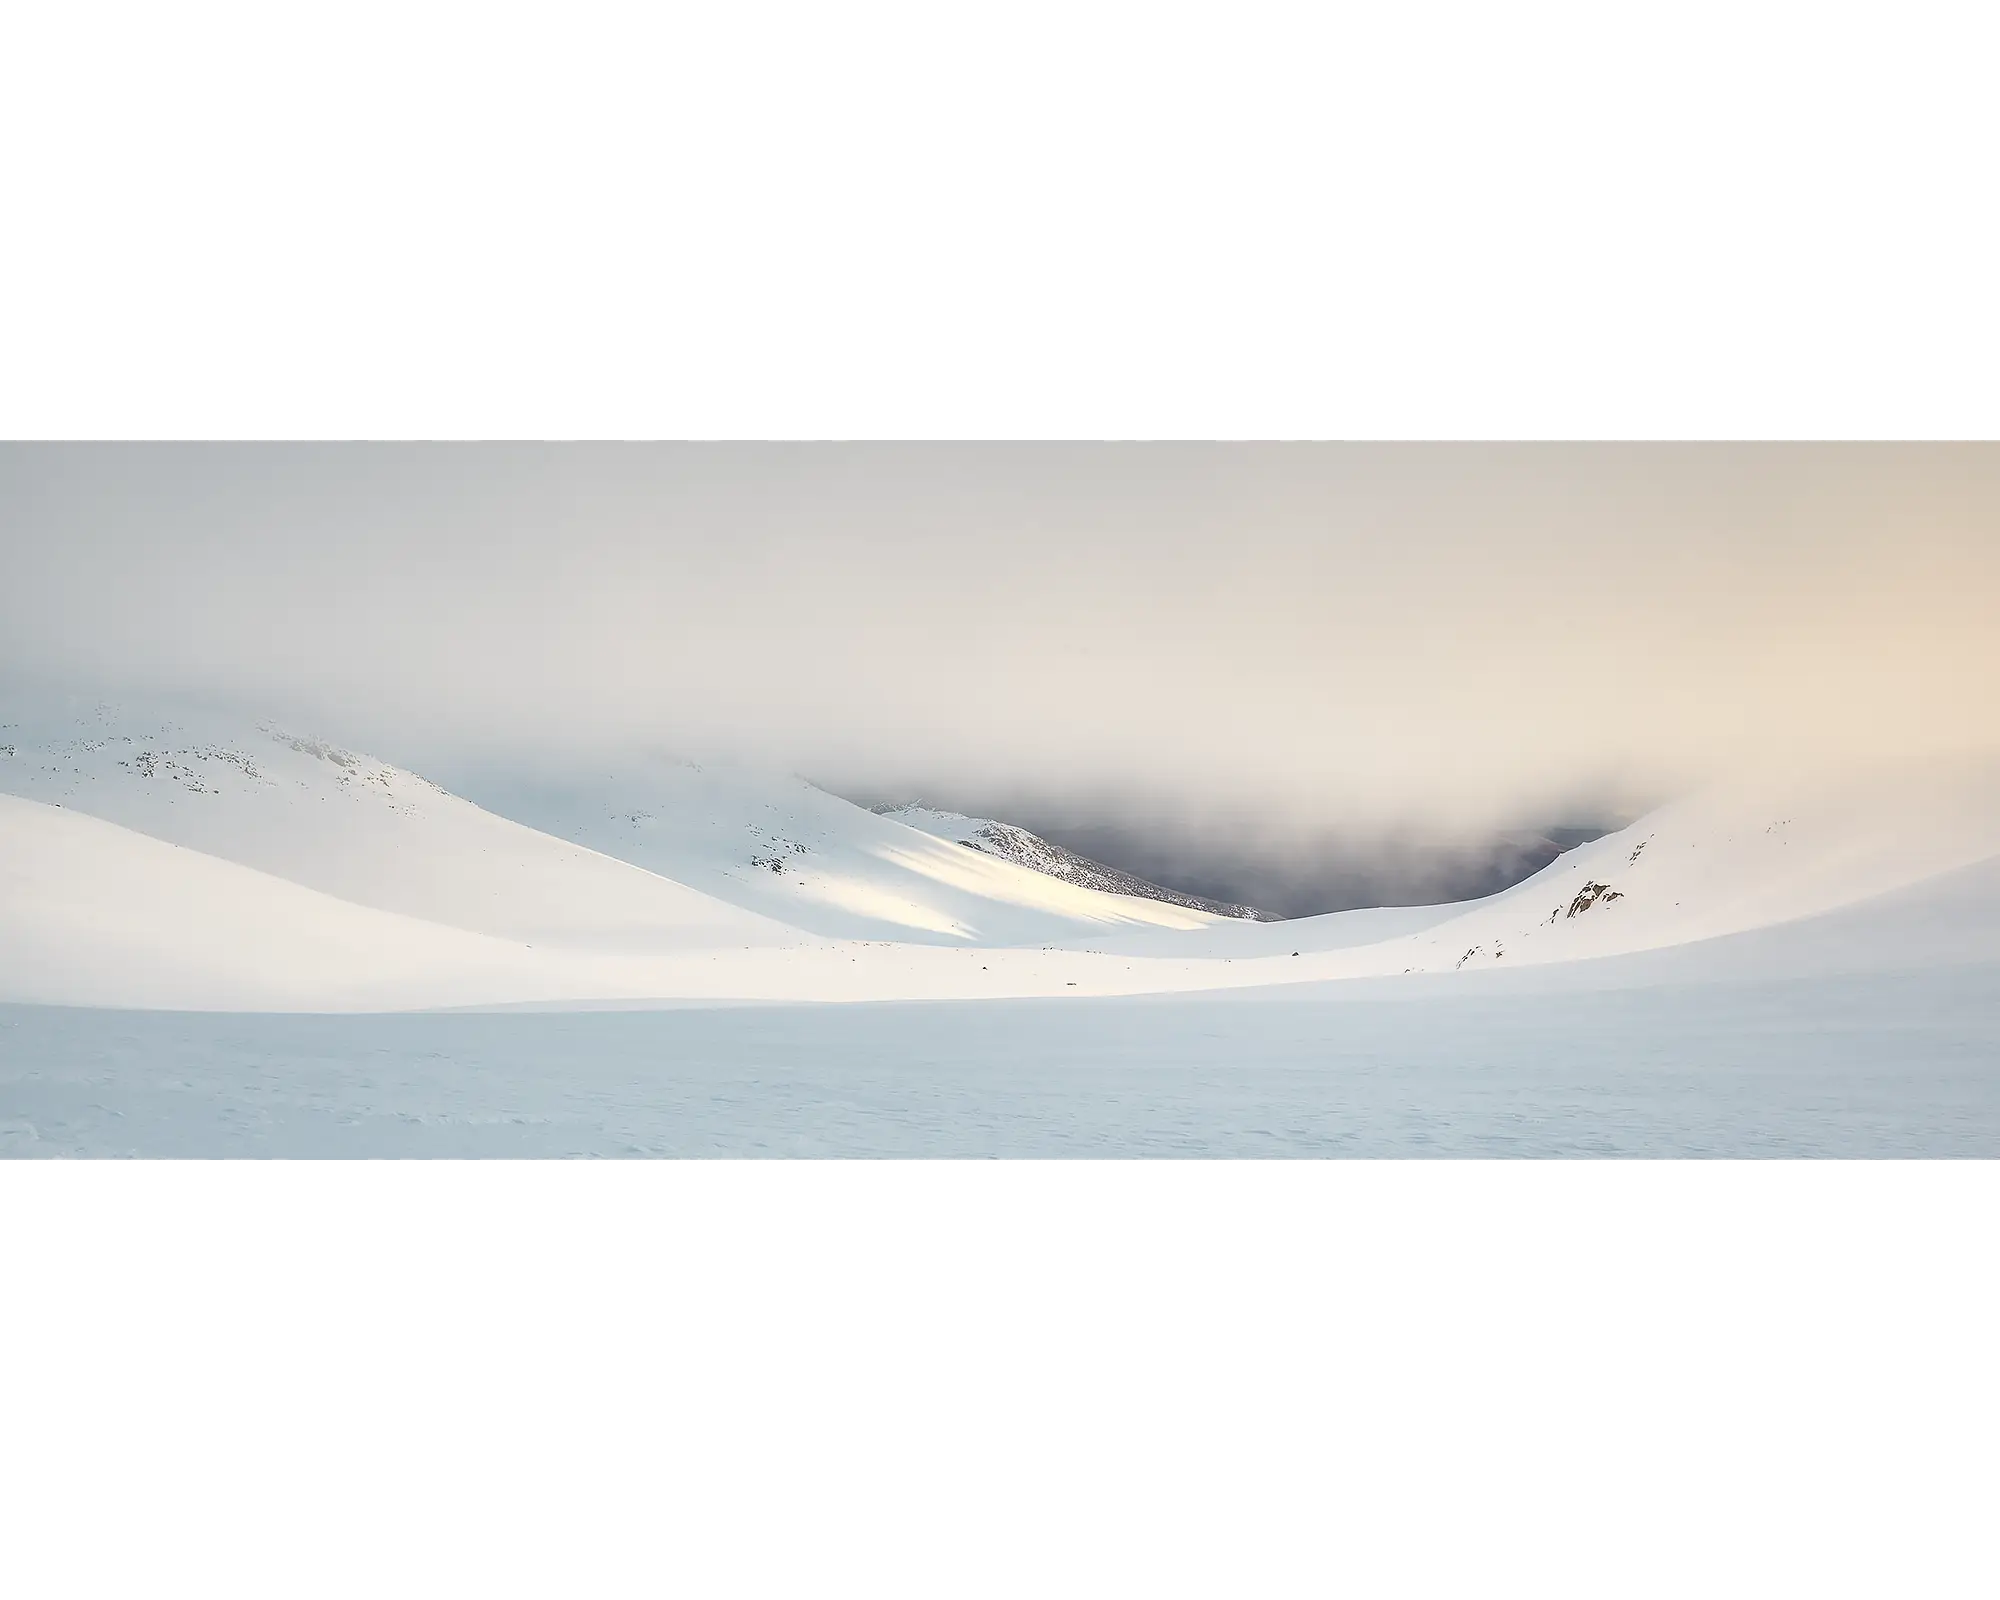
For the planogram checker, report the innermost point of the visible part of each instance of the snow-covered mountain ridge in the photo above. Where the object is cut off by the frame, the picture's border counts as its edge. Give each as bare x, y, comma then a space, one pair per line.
204, 864
1031, 850
772, 841
359, 829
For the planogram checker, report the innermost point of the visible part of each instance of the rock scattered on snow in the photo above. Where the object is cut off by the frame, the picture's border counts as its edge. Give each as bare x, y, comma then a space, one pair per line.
1593, 893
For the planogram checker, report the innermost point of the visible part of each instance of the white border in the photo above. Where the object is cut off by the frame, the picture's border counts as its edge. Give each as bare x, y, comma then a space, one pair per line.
1079, 220
1075, 221
1006, 1378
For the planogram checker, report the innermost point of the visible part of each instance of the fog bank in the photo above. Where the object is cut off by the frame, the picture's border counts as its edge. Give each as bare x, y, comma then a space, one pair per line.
1431, 635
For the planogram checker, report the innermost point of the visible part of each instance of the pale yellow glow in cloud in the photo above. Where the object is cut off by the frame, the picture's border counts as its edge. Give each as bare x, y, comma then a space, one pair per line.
1438, 631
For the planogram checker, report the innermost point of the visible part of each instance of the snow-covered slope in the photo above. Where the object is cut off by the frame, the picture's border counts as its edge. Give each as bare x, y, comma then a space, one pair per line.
811, 859
1031, 850
160, 865
95, 914
355, 828
1740, 855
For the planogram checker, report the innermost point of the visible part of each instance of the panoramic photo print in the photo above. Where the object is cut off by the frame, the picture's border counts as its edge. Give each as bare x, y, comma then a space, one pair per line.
999, 800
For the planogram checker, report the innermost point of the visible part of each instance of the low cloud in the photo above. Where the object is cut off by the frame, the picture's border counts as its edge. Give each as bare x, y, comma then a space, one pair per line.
1420, 636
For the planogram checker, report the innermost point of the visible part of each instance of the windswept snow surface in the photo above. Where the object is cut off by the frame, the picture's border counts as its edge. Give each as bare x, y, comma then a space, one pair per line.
1877, 1064
1647, 1054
